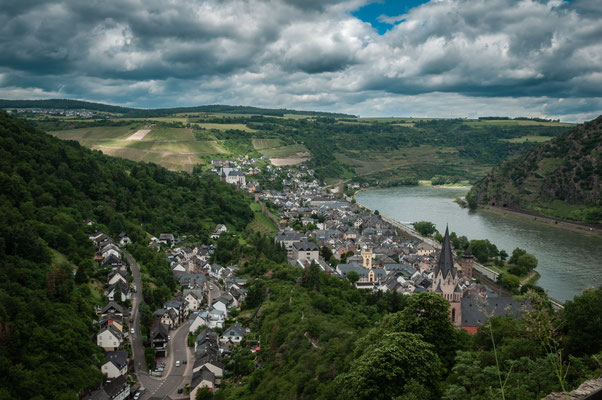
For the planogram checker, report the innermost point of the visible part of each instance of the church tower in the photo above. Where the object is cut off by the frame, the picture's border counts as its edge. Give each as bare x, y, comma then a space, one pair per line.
446, 278
367, 263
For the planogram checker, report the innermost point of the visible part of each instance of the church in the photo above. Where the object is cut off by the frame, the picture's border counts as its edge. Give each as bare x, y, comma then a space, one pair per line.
470, 305
446, 279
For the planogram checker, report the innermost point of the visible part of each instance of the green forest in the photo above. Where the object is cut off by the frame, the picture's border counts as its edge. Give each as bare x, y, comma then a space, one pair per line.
322, 339
48, 188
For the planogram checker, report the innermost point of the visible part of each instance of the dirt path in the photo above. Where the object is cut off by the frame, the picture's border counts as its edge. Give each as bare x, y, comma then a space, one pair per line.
528, 277
139, 135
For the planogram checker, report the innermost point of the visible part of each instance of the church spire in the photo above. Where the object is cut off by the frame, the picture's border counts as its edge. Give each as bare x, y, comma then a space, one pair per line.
446, 259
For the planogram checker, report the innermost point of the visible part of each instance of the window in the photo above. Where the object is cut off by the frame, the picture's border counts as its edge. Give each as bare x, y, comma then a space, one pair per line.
453, 315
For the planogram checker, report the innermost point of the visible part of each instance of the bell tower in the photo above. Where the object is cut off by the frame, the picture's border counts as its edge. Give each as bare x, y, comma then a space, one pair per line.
367, 258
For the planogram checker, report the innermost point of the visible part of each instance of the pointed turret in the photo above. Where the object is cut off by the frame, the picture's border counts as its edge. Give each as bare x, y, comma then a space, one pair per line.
446, 259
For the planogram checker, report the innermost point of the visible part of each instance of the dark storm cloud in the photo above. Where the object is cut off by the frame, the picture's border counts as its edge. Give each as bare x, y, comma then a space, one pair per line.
304, 53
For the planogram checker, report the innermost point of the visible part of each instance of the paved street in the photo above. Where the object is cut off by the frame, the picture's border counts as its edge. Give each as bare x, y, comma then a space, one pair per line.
174, 377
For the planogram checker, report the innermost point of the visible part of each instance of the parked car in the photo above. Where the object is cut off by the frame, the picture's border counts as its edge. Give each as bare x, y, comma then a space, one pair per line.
180, 390
177, 363
185, 362
132, 331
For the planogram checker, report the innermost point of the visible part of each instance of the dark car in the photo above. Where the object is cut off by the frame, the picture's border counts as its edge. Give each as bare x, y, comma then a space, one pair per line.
180, 390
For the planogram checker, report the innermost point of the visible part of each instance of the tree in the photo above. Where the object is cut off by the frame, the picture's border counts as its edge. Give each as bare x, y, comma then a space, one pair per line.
388, 366
425, 228
353, 277
582, 317
516, 253
503, 255
527, 261
510, 282
204, 393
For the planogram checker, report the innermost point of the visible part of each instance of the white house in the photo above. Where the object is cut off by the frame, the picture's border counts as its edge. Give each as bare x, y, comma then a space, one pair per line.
233, 334
216, 318
219, 229
220, 304
109, 338
193, 300
116, 364
115, 276
198, 320
201, 379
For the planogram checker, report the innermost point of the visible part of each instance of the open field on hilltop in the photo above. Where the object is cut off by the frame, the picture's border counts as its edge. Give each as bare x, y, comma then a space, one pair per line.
98, 132
169, 133
514, 122
172, 161
285, 151
223, 127
186, 147
262, 144
522, 139
279, 162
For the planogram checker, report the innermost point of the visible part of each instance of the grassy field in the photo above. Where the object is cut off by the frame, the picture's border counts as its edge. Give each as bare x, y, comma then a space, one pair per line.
224, 127
522, 139
261, 223
284, 151
168, 133
513, 122
98, 132
262, 144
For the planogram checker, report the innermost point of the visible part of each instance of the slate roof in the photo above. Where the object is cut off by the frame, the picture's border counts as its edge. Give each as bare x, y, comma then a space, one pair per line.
476, 312
305, 246
119, 358
235, 330
113, 305
202, 375
445, 265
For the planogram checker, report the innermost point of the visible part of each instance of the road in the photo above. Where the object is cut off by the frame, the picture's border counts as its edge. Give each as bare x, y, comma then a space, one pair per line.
174, 377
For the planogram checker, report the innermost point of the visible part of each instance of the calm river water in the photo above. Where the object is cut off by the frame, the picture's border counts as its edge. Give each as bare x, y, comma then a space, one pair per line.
569, 262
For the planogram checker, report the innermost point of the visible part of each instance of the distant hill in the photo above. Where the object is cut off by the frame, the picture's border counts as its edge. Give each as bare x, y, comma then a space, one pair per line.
66, 104
560, 178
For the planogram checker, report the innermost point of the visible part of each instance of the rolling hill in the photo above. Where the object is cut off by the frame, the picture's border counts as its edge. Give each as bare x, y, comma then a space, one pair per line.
560, 178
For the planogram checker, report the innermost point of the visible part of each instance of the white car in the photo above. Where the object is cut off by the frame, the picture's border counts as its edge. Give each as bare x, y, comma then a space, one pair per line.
211, 287
177, 363
132, 331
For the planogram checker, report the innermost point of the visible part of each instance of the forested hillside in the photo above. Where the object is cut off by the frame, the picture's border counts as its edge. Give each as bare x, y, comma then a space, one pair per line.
320, 338
48, 188
561, 178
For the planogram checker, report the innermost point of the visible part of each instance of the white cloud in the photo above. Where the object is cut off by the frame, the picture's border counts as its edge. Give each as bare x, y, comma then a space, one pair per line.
444, 58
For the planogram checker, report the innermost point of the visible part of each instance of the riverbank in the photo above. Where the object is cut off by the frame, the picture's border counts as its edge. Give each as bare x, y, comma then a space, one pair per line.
542, 219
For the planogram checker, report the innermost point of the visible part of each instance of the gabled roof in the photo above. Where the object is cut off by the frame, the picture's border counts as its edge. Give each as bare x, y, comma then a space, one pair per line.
235, 330
202, 375
119, 358
445, 265
475, 312
112, 305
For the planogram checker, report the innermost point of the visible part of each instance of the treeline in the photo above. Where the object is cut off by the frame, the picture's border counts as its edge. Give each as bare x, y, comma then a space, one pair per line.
66, 104
48, 188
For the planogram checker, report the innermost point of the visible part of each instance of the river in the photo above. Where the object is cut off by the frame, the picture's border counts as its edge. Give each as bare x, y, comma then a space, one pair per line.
569, 262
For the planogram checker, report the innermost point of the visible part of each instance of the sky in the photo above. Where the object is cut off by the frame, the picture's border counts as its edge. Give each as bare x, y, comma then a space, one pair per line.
438, 58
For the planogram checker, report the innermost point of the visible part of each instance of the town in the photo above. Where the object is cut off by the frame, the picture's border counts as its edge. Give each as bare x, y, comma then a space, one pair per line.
194, 331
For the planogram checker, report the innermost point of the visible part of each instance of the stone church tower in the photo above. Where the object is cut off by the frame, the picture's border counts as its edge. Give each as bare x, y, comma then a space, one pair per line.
367, 263
446, 279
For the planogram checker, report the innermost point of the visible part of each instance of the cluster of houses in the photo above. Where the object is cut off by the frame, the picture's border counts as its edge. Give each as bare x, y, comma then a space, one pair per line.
209, 293
235, 172
381, 256
113, 317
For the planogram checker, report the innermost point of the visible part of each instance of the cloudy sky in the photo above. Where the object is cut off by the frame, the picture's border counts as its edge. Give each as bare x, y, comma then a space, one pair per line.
445, 58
